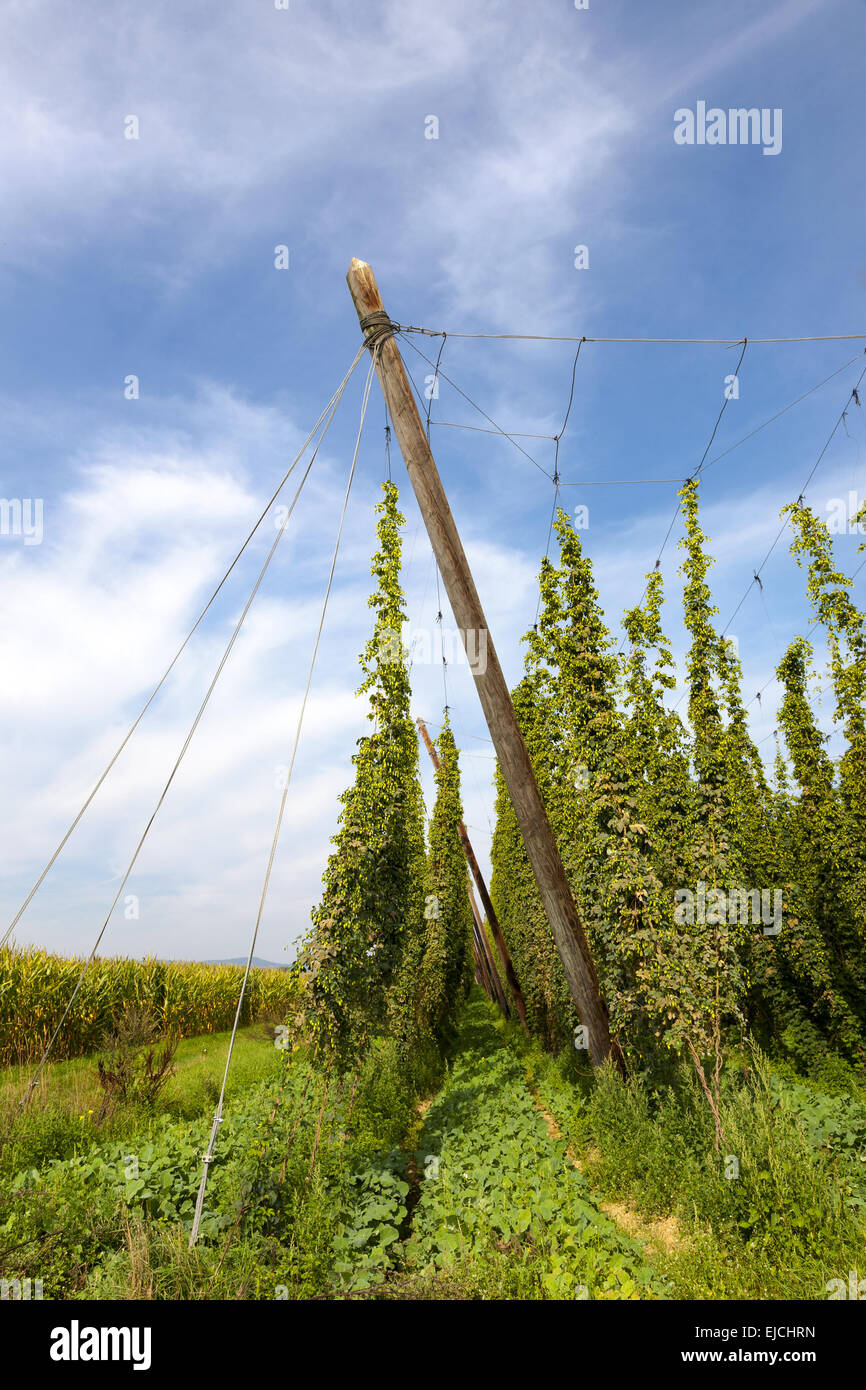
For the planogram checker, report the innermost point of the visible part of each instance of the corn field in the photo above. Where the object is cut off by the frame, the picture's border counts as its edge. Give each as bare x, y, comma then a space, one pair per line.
187, 997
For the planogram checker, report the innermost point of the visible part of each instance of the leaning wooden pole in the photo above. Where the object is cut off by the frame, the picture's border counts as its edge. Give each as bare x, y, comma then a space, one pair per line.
484, 962
501, 997
480, 973
504, 953
559, 906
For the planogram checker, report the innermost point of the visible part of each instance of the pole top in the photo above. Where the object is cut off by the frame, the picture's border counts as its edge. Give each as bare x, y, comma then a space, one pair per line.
374, 321
363, 288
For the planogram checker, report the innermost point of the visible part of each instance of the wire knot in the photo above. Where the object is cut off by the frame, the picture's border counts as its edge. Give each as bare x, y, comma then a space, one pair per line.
377, 327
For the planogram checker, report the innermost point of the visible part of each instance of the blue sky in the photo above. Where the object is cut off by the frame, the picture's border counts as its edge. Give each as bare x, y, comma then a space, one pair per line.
305, 127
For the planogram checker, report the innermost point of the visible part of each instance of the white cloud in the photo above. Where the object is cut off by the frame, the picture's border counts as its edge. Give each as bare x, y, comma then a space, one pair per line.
135, 545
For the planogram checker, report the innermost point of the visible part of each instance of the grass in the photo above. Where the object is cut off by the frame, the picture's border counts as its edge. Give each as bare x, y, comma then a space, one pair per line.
775, 1215
62, 1116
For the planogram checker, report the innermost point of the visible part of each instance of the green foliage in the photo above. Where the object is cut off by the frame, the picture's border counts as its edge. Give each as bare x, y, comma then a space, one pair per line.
513, 890
830, 810
630, 822
132, 1071
368, 1239
371, 908
656, 743
818, 964
643, 808
445, 973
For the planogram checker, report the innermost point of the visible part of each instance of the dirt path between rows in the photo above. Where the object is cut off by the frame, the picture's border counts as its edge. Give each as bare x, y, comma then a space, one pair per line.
414, 1194
661, 1234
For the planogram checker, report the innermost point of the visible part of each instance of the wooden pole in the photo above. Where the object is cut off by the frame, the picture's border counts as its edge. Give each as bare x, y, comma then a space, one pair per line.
484, 962
480, 974
501, 997
504, 953
559, 906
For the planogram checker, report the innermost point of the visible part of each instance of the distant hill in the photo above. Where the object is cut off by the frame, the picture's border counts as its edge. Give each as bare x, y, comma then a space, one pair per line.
242, 960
